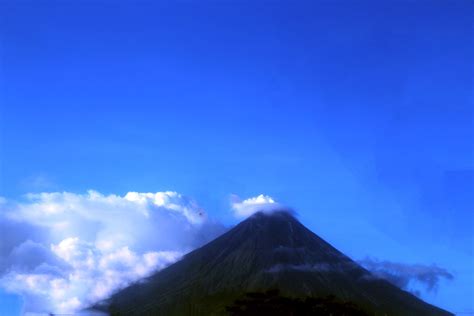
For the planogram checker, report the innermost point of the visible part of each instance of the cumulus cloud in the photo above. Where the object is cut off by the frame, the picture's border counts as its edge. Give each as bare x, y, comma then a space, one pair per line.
260, 203
407, 276
65, 251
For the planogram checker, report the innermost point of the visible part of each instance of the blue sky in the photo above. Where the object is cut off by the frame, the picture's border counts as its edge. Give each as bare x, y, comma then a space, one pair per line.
359, 115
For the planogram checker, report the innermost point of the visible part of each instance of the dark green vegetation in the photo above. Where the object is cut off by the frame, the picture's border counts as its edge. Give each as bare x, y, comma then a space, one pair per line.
261, 253
271, 303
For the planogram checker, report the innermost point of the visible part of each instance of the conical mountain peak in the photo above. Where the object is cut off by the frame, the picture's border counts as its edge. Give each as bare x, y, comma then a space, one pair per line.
268, 250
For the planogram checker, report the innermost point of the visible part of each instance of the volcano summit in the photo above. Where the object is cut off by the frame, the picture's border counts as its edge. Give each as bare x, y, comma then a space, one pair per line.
267, 259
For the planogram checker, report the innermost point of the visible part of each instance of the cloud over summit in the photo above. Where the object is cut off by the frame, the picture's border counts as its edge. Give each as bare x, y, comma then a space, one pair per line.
245, 208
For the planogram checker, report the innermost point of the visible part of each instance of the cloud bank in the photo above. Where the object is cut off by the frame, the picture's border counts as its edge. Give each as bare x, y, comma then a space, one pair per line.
64, 251
261, 203
407, 276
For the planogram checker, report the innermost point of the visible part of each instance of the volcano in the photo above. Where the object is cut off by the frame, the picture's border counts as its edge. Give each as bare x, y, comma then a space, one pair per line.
266, 253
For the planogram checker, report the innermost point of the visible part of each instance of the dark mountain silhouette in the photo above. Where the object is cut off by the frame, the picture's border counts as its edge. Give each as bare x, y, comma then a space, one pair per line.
271, 303
267, 262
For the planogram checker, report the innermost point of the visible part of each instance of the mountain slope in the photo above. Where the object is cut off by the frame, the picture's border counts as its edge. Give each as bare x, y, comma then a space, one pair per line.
266, 251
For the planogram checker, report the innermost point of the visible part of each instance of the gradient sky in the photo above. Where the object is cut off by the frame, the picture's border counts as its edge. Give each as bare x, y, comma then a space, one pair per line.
359, 115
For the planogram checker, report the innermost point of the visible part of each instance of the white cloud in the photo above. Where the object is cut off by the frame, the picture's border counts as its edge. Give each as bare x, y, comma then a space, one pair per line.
245, 208
64, 251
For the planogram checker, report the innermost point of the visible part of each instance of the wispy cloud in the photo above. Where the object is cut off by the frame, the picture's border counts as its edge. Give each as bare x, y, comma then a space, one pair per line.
407, 276
38, 183
64, 251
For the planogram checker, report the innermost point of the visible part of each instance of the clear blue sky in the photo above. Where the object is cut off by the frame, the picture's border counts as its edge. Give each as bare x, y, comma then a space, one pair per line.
357, 114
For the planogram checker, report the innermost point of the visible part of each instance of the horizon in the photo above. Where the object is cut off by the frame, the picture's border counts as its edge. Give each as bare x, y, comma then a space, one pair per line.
125, 120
